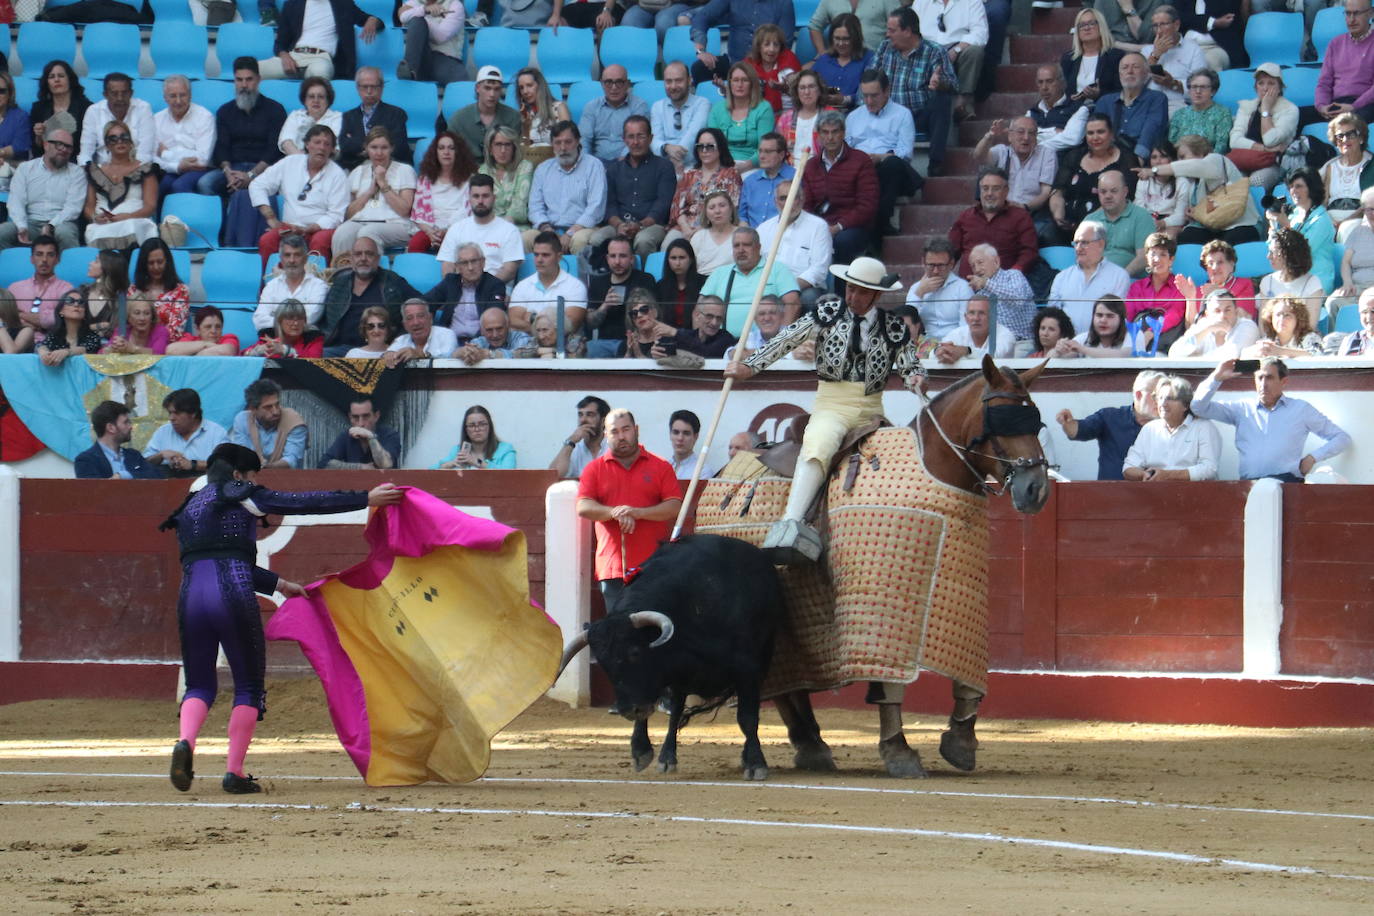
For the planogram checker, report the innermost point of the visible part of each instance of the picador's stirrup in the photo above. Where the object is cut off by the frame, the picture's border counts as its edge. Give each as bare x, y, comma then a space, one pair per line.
792, 543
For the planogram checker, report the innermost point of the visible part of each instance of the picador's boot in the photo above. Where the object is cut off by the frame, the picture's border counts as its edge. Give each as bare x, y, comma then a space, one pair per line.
792, 542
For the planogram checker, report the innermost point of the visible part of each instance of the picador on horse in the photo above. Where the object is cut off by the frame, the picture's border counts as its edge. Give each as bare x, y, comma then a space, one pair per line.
900, 529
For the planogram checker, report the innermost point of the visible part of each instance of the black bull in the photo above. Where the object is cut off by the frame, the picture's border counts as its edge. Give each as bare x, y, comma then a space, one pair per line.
699, 618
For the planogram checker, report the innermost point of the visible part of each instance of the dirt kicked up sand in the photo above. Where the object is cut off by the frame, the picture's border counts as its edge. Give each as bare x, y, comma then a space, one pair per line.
1060, 817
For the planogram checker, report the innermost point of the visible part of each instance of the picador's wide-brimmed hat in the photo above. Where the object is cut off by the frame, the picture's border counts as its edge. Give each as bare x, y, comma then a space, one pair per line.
869, 273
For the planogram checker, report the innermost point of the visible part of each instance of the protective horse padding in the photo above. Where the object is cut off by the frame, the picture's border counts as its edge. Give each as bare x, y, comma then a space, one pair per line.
906, 585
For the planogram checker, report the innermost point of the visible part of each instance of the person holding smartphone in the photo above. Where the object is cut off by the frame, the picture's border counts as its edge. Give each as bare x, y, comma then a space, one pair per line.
478, 446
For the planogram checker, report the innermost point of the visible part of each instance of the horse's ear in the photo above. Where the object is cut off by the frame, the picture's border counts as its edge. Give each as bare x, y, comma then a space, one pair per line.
1032, 374
990, 373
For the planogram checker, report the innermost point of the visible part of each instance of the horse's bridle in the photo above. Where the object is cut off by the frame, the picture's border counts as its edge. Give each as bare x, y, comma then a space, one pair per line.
1018, 419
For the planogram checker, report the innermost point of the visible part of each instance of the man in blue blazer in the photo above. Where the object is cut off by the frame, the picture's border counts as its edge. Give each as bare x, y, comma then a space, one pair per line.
108, 458
328, 48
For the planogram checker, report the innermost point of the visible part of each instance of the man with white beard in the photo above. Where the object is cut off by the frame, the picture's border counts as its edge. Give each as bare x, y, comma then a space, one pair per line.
568, 194
246, 132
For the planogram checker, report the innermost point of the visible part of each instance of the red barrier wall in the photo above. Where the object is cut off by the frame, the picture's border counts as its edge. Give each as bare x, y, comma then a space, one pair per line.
1109, 577
100, 581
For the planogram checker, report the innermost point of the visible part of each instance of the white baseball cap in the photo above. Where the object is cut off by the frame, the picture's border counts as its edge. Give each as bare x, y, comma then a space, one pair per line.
490, 73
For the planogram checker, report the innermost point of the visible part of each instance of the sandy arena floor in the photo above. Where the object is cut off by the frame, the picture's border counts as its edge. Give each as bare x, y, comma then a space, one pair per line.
1060, 817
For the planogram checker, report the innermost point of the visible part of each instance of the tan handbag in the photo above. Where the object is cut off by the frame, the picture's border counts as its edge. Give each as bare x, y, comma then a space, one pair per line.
1220, 209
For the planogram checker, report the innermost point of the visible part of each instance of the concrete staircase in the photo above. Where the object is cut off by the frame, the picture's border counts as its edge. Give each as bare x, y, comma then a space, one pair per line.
944, 198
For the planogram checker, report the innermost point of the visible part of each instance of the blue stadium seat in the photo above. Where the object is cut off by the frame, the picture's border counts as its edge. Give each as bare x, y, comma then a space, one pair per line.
1059, 257
384, 51
458, 95
421, 147
74, 264
508, 49
629, 47
419, 269
382, 9
1333, 282
805, 50
1275, 37
1348, 319
111, 47
1300, 83
239, 322
579, 94
171, 12
804, 10
566, 56
1235, 86
181, 259
651, 91
1329, 23
677, 44
211, 94
709, 92
40, 42
653, 264
199, 211
1188, 262
241, 39
25, 90
1318, 130
1252, 259
346, 95
527, 267
248, 11
232, 279
15, 265
180, 47
287, 92
150, 91
421, 103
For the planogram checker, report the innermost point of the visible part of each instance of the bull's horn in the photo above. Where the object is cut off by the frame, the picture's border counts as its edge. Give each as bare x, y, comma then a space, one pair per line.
654, 619
579, 642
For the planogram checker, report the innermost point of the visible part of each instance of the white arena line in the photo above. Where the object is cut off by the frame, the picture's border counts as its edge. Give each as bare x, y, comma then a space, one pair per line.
1003, 796
1000, 839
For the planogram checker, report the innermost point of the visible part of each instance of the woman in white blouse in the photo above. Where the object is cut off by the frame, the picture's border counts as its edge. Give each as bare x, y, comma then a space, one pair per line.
1291, 258
317, 97
441, 191
712, 242
383, 194
1263, 127
1177, 446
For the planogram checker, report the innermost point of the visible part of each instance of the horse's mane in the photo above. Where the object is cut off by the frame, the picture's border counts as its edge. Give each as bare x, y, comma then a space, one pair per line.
1011, 378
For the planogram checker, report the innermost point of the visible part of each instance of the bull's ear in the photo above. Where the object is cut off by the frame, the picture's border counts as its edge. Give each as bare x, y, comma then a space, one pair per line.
990, 373
1033, 373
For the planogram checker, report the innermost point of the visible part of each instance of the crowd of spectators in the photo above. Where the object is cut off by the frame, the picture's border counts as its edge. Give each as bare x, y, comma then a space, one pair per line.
1114, 218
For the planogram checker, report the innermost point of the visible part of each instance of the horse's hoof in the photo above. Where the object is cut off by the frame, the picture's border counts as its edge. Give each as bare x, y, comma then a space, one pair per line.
901, 761
959, 744
756, 774
665, 766
816, 758
642, 761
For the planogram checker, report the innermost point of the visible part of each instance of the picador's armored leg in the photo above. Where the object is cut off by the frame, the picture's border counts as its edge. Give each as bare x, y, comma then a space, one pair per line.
791, 541
959, 744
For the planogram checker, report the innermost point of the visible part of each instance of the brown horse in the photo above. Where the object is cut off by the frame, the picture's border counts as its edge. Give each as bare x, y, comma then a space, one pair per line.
982, 427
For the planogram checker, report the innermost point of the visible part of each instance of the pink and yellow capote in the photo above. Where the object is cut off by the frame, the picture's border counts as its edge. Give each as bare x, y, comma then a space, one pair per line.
428, 647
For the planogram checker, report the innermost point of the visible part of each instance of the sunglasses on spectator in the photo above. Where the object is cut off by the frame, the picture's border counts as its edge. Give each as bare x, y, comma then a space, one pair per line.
1347, 135
304, 191
118, 138
642, 310
376, 324
704, 146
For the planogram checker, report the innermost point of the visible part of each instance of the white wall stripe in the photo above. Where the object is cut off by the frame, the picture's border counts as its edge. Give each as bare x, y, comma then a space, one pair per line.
994, 838
800, 787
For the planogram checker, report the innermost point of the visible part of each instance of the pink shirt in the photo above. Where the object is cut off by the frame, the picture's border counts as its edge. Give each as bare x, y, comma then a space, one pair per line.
1143, 296
27, 290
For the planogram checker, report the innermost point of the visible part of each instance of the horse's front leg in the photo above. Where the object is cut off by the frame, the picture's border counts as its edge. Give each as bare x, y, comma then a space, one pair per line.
958, 743
812, 753
900, 759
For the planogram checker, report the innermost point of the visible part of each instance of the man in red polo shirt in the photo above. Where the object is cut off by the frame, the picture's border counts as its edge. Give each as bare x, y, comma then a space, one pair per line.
631, 495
